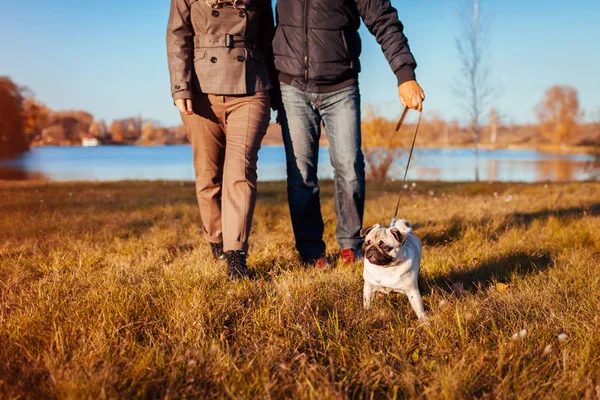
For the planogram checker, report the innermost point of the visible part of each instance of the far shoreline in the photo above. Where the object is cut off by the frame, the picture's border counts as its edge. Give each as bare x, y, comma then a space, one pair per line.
548, 149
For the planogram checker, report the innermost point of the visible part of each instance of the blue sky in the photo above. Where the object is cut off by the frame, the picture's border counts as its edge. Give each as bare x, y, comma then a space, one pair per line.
108, 57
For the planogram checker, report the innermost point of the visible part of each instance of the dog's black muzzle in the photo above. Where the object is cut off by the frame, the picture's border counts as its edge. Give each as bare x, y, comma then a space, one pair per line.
376, 256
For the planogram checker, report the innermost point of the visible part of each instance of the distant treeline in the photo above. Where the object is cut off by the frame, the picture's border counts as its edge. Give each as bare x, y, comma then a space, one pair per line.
47, 127
25, 122
72, 127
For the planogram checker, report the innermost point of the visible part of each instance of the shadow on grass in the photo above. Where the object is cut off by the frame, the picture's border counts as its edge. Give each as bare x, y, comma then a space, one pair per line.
90, 197
174, 251
136, 228
269, 269
563, 214
435, 237
440, 234
498, 268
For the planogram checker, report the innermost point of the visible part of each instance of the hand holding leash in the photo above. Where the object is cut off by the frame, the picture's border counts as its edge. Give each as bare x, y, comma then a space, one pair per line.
411, 95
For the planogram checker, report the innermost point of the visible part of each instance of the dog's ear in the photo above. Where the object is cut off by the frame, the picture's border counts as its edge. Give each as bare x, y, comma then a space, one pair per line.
404, 226
364, 232
397, 235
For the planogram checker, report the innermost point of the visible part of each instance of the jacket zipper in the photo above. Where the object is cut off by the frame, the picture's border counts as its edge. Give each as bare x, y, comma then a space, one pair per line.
306, 41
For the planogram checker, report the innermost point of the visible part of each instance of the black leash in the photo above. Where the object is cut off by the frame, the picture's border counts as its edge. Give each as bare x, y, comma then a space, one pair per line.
400, 122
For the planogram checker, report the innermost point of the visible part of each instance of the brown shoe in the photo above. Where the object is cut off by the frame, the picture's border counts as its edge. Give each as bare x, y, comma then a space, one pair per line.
350, 256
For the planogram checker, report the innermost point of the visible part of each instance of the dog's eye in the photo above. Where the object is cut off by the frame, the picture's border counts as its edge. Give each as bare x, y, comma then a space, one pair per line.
384, 247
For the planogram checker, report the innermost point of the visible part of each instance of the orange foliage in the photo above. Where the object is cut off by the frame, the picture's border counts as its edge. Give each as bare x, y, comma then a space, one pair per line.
381, 143
148, 133
117, 132
37, 117
98, 130
558, 113
12, 121
67, 127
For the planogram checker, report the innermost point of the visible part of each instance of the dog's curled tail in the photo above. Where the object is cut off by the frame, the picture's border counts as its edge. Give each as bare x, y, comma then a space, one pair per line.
404, 226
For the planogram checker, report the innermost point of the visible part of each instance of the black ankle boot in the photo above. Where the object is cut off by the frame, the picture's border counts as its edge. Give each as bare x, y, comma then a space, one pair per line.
217, 251
236, 262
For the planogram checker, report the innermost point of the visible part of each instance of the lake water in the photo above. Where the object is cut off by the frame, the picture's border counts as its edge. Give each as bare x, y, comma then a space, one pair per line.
109, 163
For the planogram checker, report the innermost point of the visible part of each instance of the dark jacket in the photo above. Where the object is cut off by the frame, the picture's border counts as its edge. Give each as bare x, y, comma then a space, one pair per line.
317, 45
221, 50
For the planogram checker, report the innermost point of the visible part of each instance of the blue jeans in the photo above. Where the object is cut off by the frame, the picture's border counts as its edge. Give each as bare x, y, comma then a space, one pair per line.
301, 119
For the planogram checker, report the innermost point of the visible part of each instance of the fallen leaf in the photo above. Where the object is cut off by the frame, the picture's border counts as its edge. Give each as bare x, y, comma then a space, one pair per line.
415, 355
502, 287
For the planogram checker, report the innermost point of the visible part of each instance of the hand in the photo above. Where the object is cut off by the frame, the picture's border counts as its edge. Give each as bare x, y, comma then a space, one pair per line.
185, 106
276, 102
279, 117
411, 95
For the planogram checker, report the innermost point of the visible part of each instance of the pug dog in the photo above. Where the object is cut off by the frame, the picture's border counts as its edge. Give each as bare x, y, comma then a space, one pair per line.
392, 263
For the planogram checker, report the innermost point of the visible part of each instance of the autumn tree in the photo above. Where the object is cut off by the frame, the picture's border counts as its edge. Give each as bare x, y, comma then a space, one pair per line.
117, 132
132, 128
180, 134
67, 127
98, 130
434, 128
12, 119
381, 143
164, 136
558, 112
148, 133
37, 116
54, 134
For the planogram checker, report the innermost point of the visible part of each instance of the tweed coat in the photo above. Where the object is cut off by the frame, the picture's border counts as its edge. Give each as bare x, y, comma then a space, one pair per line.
220, 48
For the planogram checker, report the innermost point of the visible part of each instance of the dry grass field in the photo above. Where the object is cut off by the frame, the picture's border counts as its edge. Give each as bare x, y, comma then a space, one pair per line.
107, 291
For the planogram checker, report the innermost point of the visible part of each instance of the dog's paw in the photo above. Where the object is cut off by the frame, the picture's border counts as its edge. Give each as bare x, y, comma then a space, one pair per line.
424, 322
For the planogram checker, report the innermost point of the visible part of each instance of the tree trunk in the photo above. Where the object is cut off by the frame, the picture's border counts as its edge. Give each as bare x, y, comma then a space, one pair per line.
476, 145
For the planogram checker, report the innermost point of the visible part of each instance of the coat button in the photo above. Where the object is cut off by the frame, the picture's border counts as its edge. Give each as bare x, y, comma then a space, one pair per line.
215, 13
213, 60
242, 14
241, 58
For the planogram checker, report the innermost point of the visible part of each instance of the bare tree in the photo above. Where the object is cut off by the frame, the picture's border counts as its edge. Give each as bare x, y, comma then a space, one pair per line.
494, 124
474, 86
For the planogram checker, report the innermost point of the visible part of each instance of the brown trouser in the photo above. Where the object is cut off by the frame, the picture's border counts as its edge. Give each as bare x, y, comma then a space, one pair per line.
225, 133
